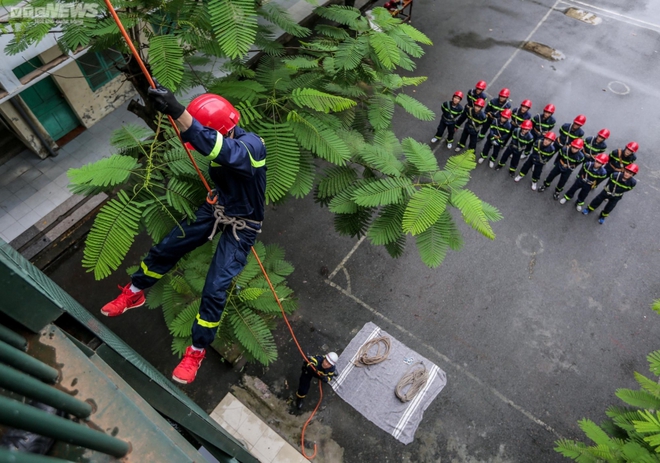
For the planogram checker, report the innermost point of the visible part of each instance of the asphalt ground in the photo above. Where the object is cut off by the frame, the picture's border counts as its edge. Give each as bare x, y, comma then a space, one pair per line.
536, 329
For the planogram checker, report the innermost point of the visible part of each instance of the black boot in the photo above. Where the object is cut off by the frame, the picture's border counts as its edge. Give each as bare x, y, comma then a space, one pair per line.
299, 403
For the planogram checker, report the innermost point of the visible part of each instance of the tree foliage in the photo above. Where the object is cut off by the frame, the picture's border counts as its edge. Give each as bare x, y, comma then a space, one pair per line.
631, 432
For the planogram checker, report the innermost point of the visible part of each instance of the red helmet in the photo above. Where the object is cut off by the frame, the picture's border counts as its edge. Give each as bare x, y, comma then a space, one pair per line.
578, 143
550, 136
214, 111
481, 85
603, 158
459, 94
527, 125
633, 146
527, 103
506, 114
580, 120
634, 168
604, 133
549, 108
480, 102
505, 92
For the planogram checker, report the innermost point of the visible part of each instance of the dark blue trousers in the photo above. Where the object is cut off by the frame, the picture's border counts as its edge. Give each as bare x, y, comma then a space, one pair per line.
228, 261
537, 167
564, 174
451, 128
487, 146
609, 207
583, 187
472, 133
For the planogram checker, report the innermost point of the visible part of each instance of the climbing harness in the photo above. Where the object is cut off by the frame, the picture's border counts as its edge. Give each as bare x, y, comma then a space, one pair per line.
365, 359
414, 380
212, 199
236, 223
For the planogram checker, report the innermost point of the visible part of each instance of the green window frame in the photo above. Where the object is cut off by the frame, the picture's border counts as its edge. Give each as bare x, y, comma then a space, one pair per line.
100, 67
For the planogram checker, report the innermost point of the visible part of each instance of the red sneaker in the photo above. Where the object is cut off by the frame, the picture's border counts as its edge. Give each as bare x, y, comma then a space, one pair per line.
186, 370
126, 300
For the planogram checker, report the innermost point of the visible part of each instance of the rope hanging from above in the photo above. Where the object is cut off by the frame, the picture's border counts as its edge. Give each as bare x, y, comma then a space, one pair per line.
365, 359
414, 380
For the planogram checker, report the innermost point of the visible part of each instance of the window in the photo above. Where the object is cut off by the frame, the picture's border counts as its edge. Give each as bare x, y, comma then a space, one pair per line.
99, 68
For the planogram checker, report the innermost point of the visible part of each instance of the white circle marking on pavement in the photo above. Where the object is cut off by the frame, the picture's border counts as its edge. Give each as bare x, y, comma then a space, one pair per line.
615, 87
527, 252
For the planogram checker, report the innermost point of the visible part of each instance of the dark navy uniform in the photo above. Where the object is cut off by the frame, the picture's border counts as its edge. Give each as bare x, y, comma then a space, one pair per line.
450, 115
475, 121
472, 96
499, 134
314, 369
587, 179
519, 144
238, 169
592, 149
493, 110
541, 155
565, 162
618, 161
541, 125
613, 192
566, 135
518, 118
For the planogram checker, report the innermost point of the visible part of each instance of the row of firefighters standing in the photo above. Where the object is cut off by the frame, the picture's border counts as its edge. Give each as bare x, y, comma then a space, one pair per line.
532, 138
238, 171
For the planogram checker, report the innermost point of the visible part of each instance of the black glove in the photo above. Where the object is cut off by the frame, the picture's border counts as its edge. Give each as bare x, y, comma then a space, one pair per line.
165, 101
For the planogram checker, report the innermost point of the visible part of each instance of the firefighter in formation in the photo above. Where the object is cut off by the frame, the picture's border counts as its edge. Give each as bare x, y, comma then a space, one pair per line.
522, 136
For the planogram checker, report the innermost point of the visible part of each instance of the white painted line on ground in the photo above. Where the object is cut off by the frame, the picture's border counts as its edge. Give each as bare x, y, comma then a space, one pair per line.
448, 361
614, 15
348, 256
506, 65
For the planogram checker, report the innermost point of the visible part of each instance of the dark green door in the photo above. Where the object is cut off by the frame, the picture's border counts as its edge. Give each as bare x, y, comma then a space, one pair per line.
47, 103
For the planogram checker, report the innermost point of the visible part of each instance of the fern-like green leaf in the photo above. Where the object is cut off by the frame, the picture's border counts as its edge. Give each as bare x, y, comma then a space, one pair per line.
316, 136
238, 91
158, 219
414, 107
280, 17
420, 155
166, 60
345, 15
595, 433
405, 43
253, 334
654, 362
432, 245
283, 159
354, 225
181, 326
301, 62
656, 306
641, 399
105, 173
332, 31
234, 23
415, 34
184, 195
381, 110
350, 53
384, 191
111, 236
387, 227
336, 179
472, 210
250, 294
424, 209
179, 345
305, 179
320, 101
396, 248
131, 136
386, 50
343, 203
381, 158
575, 450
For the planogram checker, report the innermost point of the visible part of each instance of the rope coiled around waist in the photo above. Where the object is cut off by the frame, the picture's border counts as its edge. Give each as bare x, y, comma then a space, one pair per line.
236, 223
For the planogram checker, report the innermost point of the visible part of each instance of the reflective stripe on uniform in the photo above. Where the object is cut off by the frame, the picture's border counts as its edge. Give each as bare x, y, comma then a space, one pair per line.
206, 324
256, 164
216, 149
149, 273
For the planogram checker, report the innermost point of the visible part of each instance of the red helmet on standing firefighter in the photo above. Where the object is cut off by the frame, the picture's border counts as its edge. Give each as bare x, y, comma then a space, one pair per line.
549, 108
215, 112
480, 102
527, 125
481, 85
603, 158
577, 143
527, 103
634, 168
506, 114
604, 133
580, 120
550, 136
459, 94
505, 92
633, 146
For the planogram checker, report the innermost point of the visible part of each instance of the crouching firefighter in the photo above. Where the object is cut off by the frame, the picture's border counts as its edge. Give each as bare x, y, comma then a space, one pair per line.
319, 366
238, 170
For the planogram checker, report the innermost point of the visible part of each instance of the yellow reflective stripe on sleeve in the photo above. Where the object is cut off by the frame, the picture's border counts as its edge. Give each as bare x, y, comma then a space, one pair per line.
256, 164
215, 164
216, 149
206, 324
149, 273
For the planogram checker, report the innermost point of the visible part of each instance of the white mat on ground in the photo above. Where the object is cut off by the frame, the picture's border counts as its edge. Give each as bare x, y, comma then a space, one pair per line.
370, 390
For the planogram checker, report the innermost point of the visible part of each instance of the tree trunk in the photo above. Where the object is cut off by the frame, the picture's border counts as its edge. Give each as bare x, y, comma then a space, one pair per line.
142, 110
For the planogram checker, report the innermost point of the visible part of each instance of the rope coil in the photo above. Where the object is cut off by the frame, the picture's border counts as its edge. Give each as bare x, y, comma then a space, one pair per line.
414, 379
364, 359
236, 223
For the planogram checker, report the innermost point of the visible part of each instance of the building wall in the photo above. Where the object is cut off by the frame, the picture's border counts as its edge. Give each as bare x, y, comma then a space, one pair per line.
90, 106
22, 130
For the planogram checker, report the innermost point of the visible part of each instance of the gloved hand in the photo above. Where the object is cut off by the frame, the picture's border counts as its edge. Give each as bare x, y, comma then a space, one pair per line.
165, 101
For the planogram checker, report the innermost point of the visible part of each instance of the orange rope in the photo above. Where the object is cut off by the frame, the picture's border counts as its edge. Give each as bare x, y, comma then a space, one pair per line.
211, 198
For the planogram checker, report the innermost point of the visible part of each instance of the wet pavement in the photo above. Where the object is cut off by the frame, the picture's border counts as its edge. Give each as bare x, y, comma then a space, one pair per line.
536, 329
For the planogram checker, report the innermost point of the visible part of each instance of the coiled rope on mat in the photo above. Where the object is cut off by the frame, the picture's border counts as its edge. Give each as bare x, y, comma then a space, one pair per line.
364, 359
414, 379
